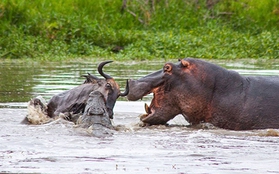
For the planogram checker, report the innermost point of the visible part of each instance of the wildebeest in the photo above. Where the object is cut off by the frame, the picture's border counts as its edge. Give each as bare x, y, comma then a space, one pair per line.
74, 101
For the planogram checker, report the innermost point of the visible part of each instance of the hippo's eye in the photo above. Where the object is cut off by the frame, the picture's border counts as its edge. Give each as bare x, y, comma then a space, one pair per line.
108, 86
167, 68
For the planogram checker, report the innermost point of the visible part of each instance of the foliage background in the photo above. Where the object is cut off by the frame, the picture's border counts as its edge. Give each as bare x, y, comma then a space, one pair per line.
139, 29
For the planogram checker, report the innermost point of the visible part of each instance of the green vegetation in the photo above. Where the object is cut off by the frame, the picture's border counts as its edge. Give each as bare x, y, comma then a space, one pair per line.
139, 29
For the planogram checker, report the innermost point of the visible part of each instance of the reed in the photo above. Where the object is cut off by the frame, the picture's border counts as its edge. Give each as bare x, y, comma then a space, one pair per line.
59, 29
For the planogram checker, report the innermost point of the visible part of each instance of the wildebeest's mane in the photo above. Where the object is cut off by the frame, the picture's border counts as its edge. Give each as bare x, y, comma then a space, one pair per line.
89, 78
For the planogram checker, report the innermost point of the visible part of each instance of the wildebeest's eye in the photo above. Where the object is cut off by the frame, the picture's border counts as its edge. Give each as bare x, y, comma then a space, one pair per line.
108, 86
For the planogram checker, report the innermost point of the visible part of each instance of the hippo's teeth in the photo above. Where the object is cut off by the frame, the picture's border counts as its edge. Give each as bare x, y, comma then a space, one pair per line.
147, 109
143, 116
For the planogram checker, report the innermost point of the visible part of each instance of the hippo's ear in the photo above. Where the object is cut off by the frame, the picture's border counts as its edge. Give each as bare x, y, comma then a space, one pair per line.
185, 63
90, 78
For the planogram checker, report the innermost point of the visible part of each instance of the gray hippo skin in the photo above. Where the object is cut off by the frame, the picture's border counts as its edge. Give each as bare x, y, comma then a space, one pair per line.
96, 117
206, 93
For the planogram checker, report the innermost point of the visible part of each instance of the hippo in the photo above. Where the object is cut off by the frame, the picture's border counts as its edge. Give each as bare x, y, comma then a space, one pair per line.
72, 102
206, 93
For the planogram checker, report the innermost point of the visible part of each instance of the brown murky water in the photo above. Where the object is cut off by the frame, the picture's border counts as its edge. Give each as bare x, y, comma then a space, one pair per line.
58, 147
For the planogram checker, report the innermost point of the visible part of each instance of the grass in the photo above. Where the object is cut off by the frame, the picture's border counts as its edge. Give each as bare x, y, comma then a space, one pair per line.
63, 29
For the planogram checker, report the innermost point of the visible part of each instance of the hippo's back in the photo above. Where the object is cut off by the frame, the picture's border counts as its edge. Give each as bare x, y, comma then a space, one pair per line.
261, 105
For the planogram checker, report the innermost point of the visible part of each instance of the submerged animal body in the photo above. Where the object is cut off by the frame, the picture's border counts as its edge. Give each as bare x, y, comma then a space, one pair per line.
72, 103
204, 92
37, 111
95, 117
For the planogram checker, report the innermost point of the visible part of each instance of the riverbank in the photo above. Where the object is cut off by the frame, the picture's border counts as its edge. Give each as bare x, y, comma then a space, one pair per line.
59, 30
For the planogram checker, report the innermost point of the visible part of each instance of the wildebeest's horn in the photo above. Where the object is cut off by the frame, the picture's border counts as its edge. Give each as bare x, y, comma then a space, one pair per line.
126, 92
100, 69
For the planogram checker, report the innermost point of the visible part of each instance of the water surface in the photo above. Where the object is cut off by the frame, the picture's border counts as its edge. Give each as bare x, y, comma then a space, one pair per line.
58, 147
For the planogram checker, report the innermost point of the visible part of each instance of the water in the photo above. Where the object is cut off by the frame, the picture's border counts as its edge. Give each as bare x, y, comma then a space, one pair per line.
59, 147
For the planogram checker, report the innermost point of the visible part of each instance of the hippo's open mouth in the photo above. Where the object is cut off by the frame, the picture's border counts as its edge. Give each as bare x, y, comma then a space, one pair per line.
148, 109
148, 114
161, 110
153, 113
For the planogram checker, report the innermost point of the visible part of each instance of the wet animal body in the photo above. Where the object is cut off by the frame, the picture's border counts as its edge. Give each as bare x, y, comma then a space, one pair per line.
73, 103
95, 117
204, 92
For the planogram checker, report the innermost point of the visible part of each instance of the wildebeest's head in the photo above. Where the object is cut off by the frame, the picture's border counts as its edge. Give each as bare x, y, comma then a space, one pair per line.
108, 87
